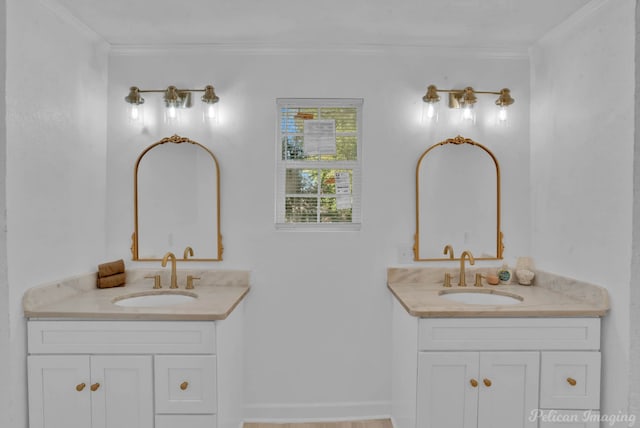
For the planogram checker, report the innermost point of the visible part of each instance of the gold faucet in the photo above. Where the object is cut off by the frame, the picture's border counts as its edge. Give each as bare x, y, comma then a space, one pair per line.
447, 280
190, 279
174, 277
447, 276
156, 281
188, 252
449, 249
463, 280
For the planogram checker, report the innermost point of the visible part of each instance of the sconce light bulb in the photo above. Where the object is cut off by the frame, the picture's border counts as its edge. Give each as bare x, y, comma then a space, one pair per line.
502, 114
431, 111
211, 111
171, 112
468, 114
134, 113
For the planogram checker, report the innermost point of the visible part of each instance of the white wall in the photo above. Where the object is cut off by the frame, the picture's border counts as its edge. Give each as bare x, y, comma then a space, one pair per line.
634, 324
56, 151
317, 335
5, 387
318, 317
582, 137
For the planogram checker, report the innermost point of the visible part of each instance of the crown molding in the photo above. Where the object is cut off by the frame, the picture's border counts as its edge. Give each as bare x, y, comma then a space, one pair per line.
258, 48
435, 48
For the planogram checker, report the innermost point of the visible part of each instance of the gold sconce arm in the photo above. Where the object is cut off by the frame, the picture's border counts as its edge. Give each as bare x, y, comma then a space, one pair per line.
134, 93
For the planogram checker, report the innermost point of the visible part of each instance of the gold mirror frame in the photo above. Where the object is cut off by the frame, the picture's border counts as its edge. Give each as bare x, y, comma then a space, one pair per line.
499, 235
175, 139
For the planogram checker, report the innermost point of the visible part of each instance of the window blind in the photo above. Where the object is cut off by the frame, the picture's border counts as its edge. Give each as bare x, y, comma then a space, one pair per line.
318, 163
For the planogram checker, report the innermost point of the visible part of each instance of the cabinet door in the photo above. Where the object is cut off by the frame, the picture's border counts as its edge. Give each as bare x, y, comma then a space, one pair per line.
185, 384
570, 380
508, 389
447, 389
122, 391
59, 393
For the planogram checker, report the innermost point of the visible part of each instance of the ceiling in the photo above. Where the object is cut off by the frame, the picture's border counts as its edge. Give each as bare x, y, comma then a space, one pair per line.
486, 23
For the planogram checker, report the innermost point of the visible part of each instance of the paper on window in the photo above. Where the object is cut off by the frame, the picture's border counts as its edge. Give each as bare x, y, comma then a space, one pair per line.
343, 190
320, 137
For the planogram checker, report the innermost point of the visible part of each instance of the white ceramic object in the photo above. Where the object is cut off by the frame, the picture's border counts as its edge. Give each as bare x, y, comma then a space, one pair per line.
525, 276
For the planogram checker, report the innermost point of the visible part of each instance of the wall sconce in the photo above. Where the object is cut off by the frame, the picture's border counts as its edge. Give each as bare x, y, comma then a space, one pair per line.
463, 99
210, 99
174, 99
135, 101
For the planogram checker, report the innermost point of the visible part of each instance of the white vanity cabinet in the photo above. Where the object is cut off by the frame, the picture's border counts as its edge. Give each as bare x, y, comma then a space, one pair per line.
469, 389
494, 372
71, 391
135, 374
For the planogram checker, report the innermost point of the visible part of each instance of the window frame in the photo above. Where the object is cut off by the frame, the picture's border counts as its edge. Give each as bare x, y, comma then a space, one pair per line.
355, 166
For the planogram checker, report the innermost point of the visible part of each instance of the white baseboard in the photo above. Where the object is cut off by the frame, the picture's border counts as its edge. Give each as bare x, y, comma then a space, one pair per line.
316, 412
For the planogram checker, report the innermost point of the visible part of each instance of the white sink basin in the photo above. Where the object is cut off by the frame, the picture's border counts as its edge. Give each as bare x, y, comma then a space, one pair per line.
477, 297
156, 299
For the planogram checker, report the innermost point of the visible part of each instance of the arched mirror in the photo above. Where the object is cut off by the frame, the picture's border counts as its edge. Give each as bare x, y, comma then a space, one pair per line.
177, 202
458, 201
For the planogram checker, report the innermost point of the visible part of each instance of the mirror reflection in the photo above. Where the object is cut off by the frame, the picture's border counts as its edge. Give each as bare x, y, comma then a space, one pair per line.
457, 201
177, 202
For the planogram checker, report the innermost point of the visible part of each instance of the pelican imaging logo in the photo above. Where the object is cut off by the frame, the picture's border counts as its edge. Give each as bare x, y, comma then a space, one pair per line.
619, 419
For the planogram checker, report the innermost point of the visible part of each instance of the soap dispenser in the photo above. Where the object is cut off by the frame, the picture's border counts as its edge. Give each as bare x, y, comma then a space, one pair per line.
505, 274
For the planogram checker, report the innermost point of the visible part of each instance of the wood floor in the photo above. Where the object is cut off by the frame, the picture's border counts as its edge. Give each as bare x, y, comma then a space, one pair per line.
374, 423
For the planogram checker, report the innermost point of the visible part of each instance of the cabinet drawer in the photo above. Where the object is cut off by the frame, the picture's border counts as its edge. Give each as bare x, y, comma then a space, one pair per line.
121, 337
495, 334
186, 421
185, 383
570, 380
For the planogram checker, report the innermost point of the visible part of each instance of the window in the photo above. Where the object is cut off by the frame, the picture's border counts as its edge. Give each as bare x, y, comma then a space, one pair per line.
318, 163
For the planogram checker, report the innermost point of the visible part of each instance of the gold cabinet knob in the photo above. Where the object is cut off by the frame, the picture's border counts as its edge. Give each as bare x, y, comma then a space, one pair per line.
571, 381
95, 387
474, 383
486, 382
184, 385
80, 386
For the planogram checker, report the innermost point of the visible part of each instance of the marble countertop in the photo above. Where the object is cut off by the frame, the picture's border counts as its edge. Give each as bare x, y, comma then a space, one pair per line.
218, 293
418, 291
